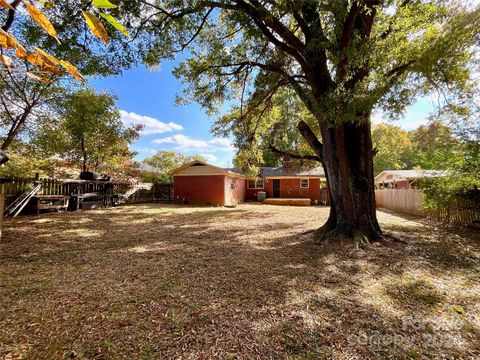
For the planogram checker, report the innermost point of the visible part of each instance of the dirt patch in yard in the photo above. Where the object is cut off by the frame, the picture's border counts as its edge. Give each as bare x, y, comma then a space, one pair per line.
155, 281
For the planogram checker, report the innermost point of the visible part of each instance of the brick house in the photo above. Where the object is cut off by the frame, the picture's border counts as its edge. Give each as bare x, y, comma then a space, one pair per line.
405, 179
279, 182
202, 183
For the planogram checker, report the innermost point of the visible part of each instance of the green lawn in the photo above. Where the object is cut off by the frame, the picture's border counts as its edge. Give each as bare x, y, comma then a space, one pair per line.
153, 282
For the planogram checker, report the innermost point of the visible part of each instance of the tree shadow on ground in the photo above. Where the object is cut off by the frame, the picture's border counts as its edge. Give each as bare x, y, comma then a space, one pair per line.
163, 282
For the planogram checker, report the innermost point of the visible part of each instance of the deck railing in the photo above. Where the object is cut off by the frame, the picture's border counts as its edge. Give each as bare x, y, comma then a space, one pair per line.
11, 188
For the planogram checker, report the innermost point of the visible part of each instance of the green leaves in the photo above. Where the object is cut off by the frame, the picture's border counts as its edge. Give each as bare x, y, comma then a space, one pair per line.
103, 4
115, 23
97, 27
164, 162
47, 4
431, 147
393, 146
89, 129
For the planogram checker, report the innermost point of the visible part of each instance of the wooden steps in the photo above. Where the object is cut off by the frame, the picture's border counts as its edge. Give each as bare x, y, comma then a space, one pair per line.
288, 202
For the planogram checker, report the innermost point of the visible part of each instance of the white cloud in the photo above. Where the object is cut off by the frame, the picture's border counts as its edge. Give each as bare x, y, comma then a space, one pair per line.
184, 143
144, 150
223, 142
209, 157
151, 125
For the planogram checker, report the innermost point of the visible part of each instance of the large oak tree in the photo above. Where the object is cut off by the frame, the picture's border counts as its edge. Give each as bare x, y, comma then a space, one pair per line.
342, 58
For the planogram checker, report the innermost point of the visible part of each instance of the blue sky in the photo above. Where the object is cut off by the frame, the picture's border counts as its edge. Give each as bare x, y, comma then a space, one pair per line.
148, 97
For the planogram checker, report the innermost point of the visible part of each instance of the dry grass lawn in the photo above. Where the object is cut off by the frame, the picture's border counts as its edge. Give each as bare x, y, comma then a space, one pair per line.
163, 282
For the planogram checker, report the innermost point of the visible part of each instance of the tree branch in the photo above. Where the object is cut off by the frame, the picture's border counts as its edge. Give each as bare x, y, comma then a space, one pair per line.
311, 138
389, 30
347, 33
274, 23
200, 27
289, 155
10, 16
363, 24
396, 71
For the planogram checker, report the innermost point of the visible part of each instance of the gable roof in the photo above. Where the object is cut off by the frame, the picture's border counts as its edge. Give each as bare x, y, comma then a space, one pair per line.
224, 171
264, 171
413, 174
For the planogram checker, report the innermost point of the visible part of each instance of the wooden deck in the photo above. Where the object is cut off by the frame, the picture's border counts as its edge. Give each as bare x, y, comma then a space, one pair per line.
286, 201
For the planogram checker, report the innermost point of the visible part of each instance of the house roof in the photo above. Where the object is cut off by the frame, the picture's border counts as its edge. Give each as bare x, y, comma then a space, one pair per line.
264, 171
413, 174
148, 168
225, 171
281, 171
235, 170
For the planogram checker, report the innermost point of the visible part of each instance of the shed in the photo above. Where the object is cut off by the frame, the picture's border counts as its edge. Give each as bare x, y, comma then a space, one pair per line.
201, 183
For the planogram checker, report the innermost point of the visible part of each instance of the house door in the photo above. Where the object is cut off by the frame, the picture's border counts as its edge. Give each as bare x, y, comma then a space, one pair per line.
276, 188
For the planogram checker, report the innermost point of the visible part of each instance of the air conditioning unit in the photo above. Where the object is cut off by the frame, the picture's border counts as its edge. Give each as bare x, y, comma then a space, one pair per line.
261, 195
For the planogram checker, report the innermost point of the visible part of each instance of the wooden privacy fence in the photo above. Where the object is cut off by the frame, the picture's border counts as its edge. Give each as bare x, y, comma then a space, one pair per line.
460, 211
408, 201
11, 188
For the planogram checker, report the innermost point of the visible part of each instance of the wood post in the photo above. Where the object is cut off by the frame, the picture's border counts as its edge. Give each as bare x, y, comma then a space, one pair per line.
2, 205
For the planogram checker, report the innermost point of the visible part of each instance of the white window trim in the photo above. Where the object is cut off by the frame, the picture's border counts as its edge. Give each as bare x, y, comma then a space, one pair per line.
255, 186
305, 187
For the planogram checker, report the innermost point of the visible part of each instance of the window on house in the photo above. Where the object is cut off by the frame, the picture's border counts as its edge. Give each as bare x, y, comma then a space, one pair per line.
304, 183
255, 184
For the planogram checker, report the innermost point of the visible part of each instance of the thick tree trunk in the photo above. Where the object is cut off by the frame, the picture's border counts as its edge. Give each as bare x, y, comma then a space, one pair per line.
15, 128
347, 158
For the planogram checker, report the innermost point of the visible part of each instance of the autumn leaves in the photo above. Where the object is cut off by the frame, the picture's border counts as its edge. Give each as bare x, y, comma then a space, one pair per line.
96, 26
46, 64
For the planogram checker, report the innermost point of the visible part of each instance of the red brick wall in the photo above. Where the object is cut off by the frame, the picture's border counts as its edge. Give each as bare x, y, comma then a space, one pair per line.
251, 194
207, 189
290, 188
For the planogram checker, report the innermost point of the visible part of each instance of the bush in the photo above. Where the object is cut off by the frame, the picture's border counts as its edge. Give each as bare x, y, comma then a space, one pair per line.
439, 192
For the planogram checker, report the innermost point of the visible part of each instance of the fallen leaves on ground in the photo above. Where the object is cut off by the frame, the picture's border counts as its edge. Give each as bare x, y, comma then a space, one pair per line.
162, 281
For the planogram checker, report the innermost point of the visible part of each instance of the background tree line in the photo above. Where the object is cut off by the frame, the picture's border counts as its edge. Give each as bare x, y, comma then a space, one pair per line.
455, 148
82, 132
339, 60
433, 146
